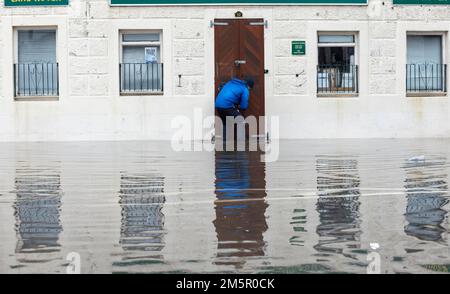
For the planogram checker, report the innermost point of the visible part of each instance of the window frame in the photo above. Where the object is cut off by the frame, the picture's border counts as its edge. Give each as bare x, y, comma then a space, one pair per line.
145, 43
354, 44
443, 36
343, 44
15, 60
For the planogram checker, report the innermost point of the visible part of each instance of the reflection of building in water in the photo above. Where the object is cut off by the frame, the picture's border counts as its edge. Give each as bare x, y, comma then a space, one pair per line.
426, 188
240, 207
338, 205
298, 223
37, 209
141, 199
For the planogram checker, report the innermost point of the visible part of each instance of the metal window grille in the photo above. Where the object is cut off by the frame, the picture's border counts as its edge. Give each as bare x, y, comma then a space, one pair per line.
36, 79
337, 79
426, 78
141, 77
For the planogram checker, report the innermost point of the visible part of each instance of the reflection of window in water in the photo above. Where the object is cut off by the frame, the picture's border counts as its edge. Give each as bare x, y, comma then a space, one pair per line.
298, 223
426, 188
37, 209
240, 207
338, 206
141, 199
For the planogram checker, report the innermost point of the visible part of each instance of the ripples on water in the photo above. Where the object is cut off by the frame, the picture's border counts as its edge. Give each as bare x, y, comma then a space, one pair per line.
338, 204
130, 207
142, 229
240, 221
427, 194
37, 213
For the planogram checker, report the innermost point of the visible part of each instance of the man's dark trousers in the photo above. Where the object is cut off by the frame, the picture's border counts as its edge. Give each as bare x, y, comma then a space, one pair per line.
223, 113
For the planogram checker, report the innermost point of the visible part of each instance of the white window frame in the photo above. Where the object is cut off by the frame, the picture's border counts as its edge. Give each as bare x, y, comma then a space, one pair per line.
354, 44
338, 33
32, 28
16, 30
443, 36
148, 43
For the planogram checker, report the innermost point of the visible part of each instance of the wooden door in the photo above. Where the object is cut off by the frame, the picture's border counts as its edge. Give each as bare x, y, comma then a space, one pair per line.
241, 40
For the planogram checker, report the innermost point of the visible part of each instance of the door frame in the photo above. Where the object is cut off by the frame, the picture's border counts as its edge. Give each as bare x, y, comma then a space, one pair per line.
249, 13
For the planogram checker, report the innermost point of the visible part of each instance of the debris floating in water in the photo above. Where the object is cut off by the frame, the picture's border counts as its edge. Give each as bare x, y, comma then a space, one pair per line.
374, 246
417, 158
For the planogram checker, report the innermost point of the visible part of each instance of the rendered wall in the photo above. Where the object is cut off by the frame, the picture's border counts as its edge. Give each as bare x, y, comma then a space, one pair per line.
90, 107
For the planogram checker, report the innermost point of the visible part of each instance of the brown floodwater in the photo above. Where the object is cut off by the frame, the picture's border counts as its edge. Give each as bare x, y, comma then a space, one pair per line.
139, 207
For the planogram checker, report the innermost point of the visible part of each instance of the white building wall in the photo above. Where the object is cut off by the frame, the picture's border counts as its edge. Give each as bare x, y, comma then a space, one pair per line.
90, 107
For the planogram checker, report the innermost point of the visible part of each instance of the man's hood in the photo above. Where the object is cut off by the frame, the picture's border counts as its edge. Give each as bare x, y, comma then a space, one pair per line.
238, 81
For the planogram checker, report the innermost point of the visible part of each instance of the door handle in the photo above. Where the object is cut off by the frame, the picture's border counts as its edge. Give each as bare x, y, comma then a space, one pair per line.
239, 62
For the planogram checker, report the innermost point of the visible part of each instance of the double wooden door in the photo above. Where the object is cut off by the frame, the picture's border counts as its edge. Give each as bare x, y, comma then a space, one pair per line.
239, 52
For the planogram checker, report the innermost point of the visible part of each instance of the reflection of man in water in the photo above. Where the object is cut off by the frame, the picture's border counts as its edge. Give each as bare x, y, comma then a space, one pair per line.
232, 98
240, 207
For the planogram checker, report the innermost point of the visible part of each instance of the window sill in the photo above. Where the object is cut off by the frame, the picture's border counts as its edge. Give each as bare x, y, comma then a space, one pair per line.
141, 93
36, 98
337, 95
426, 94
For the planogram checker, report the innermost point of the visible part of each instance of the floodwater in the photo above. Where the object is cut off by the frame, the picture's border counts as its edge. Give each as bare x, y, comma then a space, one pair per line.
325, 206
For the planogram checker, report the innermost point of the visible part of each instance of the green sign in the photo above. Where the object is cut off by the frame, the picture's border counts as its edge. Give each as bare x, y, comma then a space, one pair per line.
298, 48
243, 2
422, 2
36, 2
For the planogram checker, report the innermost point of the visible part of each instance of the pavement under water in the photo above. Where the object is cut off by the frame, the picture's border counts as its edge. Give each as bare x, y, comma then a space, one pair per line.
325, 206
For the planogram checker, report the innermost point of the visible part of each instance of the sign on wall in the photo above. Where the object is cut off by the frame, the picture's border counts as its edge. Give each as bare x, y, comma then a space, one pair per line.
422, 2
36, 2
298, 48
150, 55
212, 2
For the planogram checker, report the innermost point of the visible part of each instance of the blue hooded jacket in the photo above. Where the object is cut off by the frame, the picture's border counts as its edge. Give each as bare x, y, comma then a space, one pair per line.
233, 93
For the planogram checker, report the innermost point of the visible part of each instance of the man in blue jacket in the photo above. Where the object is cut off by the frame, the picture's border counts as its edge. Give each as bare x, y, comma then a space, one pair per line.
232, 98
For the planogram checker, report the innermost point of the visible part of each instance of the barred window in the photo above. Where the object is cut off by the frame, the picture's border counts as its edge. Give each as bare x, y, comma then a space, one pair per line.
337, 71
36, 66
141, 66
425, 69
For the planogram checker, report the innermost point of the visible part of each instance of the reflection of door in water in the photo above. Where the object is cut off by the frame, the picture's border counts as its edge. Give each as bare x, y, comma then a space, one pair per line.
239, 52
240, 207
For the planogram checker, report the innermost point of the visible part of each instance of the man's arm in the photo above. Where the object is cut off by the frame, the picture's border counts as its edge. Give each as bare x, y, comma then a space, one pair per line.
244, 99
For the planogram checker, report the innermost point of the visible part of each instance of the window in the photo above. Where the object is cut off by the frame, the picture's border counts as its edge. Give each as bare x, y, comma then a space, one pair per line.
337, 71
36, 67
425, 69
141, 67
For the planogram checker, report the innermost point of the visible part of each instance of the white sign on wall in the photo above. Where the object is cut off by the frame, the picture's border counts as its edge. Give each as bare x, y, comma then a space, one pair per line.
150, 55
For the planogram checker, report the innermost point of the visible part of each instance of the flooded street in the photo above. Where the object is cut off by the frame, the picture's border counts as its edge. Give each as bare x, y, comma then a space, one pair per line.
325, 206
